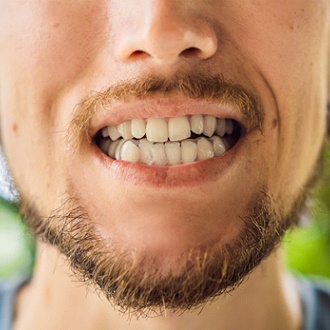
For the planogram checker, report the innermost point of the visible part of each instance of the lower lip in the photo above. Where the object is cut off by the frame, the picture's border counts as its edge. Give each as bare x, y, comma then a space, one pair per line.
169, 176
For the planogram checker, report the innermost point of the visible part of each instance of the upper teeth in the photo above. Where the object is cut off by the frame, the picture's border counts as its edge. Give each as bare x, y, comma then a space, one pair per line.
173, 129
165, 140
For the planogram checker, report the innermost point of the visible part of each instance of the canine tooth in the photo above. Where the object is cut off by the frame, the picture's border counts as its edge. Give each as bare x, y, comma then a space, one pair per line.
124, 130
105, 132
138, 127
218, 146
146, 155
157, 130
188, 151
118, 149
112, 148
159, 155
130, 152
210, 124
204, 149
104, 145
229, 126
173, 153
221, 127
196, 124
113, 133
179, 128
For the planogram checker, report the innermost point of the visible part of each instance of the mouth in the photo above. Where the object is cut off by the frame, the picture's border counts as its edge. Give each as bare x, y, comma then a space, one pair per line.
169, 141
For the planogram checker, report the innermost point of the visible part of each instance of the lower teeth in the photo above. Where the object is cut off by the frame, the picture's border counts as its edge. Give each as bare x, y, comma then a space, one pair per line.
168, 153
124, 142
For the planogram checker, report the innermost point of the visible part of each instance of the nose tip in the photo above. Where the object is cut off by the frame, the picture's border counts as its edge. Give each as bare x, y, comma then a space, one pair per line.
185, 43
168, 40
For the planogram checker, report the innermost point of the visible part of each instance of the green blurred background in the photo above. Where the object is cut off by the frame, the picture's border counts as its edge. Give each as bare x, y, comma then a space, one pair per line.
307, 248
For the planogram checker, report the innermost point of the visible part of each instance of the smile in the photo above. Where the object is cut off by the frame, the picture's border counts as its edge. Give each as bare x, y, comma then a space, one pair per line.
168, 142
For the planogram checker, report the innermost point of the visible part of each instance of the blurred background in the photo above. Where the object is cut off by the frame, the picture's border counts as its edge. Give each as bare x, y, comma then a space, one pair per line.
307, 248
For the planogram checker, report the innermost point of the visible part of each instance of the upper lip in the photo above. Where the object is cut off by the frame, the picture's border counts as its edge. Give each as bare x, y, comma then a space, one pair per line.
118, 112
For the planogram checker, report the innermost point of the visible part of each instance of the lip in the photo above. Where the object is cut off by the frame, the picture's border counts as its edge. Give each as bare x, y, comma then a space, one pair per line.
164, 108
178, 176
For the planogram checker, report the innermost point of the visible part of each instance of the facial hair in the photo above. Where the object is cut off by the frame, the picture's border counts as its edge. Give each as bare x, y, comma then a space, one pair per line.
133, 282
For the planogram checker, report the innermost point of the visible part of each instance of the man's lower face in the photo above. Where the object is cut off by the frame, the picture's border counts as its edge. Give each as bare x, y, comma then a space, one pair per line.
174, 236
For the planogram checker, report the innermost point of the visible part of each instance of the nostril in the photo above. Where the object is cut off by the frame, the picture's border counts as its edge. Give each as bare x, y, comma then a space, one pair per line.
139, 54
191, 52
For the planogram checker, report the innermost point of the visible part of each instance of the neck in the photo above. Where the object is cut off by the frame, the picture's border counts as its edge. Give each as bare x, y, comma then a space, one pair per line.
267, 296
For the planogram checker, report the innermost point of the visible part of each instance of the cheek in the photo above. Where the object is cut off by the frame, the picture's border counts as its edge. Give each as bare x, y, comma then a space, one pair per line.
295, 152
52, 43
45, 48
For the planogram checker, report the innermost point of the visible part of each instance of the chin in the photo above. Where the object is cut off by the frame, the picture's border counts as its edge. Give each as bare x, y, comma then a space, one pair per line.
177, 261
164, 237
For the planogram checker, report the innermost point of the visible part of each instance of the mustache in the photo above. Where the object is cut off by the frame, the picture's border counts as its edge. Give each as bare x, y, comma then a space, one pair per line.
202, 87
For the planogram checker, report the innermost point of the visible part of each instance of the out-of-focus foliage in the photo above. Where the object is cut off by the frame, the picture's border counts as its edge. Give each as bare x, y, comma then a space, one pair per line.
16, 245
308, 248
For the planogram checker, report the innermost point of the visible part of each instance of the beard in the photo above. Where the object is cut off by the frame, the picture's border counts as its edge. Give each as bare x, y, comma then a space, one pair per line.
138, 284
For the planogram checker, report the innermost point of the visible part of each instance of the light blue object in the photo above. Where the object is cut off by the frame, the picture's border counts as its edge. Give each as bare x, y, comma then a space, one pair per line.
7, 187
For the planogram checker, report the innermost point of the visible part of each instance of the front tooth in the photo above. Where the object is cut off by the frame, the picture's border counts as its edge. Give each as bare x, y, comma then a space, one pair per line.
146, 155
204, 149
159, 155
138, 127
229, 126
188, 151
196, 124
218, 146
210, 123
179, 128
130, 152
124, 130
221, 127
173, 153
157, 130
113, 133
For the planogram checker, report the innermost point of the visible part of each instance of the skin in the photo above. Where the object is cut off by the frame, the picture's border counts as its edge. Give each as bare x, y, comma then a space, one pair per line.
54, 53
